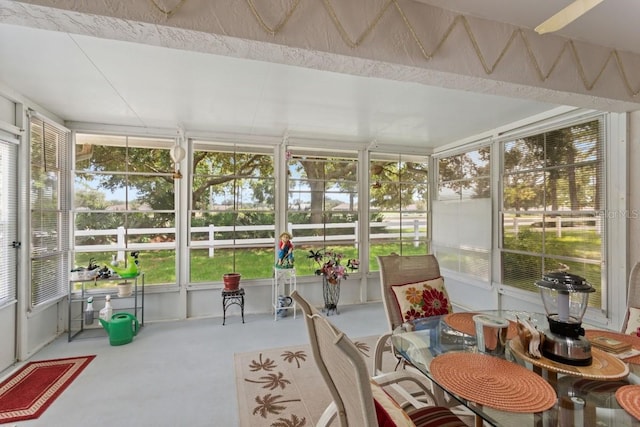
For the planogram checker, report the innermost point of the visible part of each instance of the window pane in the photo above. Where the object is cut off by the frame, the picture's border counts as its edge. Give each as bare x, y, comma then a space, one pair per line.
45, 232
522, 232
113, 153
521, 270
573, 188
472, 262
322, 204
476, 188
578, 236
523, 191
232, 225
450, 169
573, 144
462, 210
561, 189
124, 199
93, 150
465, 176
524, 154
448, 191
49, 211
589, 270
398, 205
476, 163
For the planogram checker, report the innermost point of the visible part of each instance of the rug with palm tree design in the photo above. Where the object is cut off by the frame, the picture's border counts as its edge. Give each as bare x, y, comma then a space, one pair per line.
281, 387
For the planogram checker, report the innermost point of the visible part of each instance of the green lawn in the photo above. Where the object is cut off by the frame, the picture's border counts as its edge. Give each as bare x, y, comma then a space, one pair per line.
257, 263
159, 266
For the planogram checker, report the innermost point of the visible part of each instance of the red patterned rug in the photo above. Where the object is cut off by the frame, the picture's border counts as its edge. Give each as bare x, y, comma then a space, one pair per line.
27, 393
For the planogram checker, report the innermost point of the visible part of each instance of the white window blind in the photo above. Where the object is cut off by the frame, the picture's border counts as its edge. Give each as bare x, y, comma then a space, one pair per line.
461, 238
49, 210
553, 188
8, 220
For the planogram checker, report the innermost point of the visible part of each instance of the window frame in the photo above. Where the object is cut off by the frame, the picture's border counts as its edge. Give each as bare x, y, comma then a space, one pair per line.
557, 123
125, 241
49, 284
264, 243
297, 152
382, 172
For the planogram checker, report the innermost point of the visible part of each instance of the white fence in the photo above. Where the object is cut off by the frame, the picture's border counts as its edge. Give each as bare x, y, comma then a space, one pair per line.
388, 230
515, 222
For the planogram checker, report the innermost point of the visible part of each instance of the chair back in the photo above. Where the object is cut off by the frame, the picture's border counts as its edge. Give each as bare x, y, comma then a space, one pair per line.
343, 368
399, 270
633, 295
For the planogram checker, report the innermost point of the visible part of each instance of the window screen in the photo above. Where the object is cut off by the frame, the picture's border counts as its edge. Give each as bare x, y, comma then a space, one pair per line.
124, 200
232, 222
398, 205
322, 203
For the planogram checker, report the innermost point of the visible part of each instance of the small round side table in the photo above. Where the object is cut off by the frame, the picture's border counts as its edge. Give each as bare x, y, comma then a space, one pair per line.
231, 297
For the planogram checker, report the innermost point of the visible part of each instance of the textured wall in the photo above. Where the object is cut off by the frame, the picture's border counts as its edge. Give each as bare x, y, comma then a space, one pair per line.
397, 39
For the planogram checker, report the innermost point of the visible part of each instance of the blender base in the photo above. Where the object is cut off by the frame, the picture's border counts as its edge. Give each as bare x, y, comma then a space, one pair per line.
570, 351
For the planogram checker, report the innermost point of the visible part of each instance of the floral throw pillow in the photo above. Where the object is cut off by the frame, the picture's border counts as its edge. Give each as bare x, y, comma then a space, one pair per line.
634, 321
422, 299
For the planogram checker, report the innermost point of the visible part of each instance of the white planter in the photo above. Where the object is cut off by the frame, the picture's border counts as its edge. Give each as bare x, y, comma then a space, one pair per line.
124, 289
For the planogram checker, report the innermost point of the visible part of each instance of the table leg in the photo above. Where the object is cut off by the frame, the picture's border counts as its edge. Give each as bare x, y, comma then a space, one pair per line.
232, 298
224, 310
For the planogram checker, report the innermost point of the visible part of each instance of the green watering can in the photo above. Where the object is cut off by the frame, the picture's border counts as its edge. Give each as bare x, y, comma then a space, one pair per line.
131, 270
122, 328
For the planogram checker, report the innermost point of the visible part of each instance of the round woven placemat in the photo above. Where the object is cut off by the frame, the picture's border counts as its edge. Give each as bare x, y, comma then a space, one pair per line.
634, 341
464, 323
628, 397
493, 382
604, 367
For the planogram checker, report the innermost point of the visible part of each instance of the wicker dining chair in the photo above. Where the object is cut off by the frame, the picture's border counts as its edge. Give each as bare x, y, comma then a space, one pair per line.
633, 295
358, 398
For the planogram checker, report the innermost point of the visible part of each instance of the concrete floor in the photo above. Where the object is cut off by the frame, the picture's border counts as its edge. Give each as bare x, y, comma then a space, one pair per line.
178, 373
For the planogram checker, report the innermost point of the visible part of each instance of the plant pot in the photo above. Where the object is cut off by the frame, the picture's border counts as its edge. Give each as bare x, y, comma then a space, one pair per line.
124, 289
231, 281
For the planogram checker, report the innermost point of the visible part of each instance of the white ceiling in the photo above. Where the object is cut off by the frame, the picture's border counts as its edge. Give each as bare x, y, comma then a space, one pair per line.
86, 79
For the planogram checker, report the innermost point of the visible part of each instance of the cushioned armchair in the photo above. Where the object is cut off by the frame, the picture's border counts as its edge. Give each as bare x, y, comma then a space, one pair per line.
412, 286
358, 399
395, 272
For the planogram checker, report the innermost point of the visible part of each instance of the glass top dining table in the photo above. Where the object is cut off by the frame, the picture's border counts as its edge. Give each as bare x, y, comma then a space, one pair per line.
580, 400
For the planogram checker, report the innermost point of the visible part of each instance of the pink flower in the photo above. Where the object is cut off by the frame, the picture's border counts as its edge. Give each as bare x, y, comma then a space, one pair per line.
331, 268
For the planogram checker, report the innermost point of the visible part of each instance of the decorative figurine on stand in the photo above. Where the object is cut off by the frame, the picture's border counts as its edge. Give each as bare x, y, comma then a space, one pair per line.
285, 251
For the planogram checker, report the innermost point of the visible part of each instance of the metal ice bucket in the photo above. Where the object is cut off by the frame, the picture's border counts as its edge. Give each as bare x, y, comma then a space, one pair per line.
491, 334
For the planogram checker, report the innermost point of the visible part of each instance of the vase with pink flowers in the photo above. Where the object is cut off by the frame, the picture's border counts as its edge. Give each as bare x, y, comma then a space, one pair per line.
331, 268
